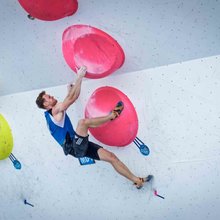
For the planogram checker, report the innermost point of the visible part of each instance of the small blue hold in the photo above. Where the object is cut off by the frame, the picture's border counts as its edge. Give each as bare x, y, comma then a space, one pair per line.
17, 164
144, 150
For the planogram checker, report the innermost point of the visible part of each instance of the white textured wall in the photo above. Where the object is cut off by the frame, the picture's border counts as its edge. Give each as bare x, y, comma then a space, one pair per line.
179, 119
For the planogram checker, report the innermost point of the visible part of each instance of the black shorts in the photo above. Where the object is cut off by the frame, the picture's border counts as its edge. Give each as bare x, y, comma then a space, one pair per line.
81, 147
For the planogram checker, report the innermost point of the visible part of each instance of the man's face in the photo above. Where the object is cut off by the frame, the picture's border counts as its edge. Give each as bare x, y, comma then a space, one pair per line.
50, 101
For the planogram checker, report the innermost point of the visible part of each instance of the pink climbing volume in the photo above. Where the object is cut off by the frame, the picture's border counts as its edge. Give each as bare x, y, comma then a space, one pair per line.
119, 132
92, 47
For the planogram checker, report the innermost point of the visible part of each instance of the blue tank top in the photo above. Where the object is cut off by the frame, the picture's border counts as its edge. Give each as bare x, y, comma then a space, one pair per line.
59, 133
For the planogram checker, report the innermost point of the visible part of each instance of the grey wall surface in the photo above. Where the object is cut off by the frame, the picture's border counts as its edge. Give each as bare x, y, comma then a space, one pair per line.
151, 32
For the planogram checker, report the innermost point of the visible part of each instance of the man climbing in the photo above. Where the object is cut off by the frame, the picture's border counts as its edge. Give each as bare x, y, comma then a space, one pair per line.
76, 143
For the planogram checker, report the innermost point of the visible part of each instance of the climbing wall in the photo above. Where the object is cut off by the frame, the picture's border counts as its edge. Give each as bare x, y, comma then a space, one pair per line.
152, 33
179, 119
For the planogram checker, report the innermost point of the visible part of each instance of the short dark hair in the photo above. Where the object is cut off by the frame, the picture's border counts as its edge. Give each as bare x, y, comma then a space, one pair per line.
40, 100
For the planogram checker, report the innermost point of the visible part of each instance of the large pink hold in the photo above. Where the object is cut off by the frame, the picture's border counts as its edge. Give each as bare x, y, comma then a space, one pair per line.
119, 132
49, 10
93, 48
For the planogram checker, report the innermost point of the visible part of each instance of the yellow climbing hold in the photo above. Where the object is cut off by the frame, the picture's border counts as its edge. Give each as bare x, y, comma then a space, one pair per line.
6, 138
